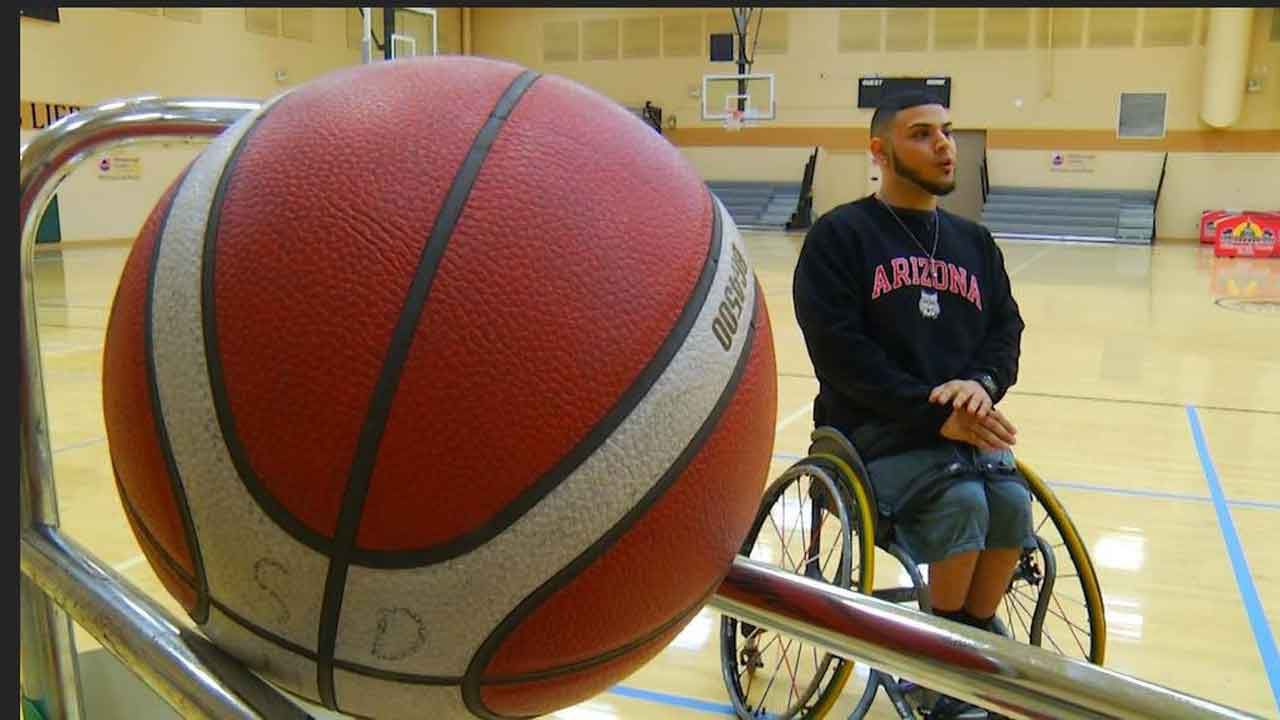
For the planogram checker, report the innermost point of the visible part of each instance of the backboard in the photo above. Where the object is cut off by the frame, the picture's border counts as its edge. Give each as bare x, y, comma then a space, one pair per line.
751, 93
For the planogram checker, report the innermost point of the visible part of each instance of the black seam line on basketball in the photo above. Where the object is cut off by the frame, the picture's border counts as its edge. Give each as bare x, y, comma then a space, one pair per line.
444, 680
683, 616
471, 682
590, 443
150, 539
384, 391
608, 655
269, 505
353, 668
201, 583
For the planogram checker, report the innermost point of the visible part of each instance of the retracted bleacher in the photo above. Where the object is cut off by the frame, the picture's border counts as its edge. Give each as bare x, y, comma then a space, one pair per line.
1110, 216
758, 204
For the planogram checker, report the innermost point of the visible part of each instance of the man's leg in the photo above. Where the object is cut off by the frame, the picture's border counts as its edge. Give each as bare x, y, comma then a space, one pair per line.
954, 526
1009, 506
957, 520
994, 568
950, 580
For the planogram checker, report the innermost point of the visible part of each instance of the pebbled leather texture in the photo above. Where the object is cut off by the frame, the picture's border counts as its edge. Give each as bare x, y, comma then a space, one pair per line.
565, 347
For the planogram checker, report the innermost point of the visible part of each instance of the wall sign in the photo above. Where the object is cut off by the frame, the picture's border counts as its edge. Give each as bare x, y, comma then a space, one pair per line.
36, 115
1061, 162
120, 167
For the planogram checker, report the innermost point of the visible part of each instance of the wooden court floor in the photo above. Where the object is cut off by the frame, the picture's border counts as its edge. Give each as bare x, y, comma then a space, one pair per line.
1152, 411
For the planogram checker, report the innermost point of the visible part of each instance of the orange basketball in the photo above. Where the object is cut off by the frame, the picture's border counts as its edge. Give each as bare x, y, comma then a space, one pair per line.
440, 388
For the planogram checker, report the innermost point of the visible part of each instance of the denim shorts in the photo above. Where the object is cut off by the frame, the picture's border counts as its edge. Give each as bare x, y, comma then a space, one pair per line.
951, 498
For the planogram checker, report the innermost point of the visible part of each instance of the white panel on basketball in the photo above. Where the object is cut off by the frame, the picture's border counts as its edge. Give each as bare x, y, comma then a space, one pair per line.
386, 700
283, 666
253, 566
459, 602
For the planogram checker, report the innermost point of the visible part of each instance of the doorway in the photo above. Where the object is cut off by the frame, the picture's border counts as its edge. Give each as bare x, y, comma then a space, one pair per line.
966, 201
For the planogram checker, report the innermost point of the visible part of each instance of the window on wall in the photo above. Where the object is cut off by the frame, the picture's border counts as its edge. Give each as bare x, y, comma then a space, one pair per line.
859, 31
262, 21
640, 37
1007, 29
1112, 27
955, 29
296, 23
1066, 27
600, 40
1168, 27
560, 41
771, 38
681, 35
906, 30
1042, 27
1142, 115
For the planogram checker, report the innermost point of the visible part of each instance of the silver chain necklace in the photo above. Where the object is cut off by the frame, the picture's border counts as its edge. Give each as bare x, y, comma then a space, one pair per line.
929, 306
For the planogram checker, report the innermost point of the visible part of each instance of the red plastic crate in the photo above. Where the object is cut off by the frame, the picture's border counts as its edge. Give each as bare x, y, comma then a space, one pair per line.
1248, 234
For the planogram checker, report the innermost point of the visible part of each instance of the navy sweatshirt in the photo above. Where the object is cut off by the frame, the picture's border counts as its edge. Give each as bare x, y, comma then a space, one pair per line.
884, 325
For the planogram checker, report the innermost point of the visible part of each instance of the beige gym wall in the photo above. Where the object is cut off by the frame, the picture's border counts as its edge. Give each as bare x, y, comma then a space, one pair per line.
96, 54
1068, 95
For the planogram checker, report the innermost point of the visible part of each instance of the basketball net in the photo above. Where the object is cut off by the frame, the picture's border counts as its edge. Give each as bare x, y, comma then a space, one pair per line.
733, 121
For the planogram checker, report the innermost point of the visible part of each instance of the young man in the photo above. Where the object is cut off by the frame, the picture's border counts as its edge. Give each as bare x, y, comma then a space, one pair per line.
914, 335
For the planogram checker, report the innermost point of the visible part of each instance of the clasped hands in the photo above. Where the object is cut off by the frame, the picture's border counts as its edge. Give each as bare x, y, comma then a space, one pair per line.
974, 418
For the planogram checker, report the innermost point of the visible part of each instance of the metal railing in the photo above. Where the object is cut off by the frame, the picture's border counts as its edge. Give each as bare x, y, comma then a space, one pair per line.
62, 579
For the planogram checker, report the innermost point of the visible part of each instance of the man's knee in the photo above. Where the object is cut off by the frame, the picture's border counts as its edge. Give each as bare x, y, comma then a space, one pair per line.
968, 499
1009, 506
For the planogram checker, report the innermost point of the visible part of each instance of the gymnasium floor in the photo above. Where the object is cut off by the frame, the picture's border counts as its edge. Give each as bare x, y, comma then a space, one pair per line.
1153, 412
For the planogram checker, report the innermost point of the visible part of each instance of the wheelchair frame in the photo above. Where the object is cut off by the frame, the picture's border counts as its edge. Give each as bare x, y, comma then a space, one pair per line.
855, 505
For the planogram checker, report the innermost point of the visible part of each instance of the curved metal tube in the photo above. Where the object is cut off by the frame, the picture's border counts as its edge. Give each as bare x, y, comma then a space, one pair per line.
48, 656
200, 681
191, 674
1015, 679
42, 166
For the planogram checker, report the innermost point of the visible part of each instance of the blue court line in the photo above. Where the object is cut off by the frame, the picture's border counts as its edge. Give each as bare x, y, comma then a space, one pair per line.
673, 700
1108, 490
1244, 580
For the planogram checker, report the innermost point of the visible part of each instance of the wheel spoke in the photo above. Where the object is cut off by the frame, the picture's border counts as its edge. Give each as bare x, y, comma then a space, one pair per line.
782, 541
1022, 616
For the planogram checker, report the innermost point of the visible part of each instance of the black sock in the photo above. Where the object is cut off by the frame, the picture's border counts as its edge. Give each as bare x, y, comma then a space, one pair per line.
980, 623
963, 617
957, 615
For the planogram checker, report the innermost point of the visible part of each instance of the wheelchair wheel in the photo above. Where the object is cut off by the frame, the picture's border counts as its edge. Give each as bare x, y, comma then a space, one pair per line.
809, 524
1054, 600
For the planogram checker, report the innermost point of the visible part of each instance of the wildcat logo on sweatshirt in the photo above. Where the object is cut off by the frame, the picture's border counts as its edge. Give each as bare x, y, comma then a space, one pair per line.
919, 271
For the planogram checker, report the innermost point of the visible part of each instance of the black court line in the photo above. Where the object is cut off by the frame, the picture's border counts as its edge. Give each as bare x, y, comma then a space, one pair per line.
1154, 403
1122, 401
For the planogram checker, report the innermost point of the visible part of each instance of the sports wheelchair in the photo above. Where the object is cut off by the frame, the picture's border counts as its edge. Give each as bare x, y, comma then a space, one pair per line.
845, 532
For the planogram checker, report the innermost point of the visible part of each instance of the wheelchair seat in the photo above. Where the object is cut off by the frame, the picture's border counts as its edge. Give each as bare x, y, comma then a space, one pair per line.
827, 440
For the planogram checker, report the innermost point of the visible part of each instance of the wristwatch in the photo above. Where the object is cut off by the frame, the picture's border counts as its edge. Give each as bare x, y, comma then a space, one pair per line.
988, 383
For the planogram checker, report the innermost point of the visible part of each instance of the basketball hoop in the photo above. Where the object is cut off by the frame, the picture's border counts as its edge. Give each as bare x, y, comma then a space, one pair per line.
733, 120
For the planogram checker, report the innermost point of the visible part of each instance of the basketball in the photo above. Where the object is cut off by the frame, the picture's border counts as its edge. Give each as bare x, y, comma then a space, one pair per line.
439, 387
